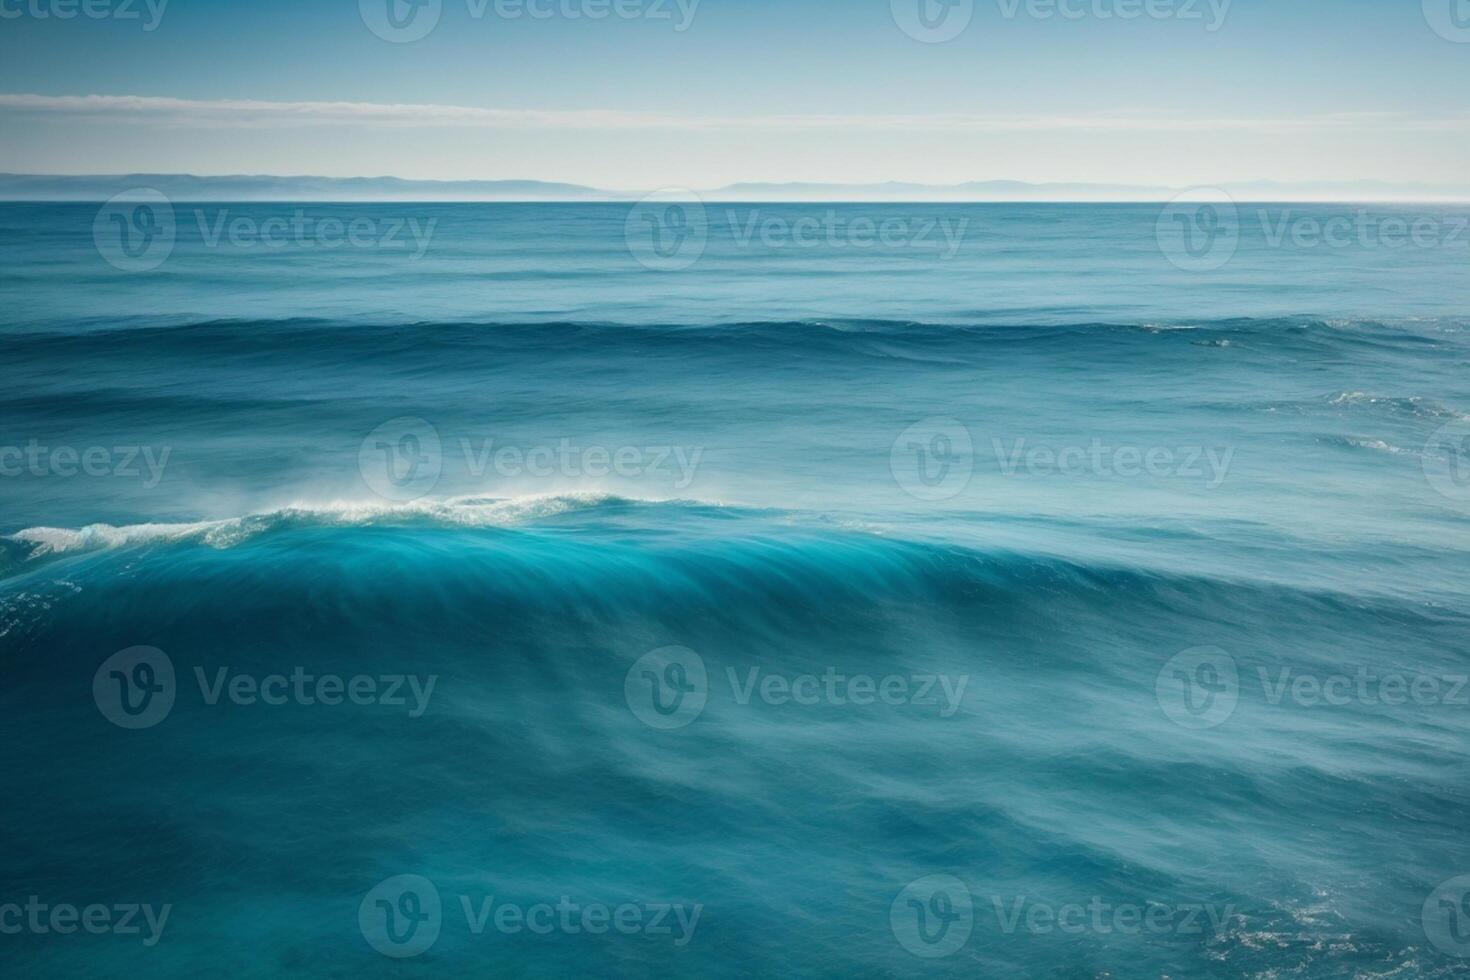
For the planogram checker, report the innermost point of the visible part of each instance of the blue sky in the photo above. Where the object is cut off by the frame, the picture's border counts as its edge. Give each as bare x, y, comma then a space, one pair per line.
821, 90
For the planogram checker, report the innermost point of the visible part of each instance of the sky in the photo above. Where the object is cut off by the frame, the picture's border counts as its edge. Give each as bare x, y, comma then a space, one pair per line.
643, 94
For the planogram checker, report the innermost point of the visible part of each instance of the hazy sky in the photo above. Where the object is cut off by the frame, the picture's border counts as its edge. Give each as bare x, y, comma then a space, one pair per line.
678, 93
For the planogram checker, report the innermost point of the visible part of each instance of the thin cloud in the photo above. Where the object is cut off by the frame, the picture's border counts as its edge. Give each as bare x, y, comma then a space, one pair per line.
245, 113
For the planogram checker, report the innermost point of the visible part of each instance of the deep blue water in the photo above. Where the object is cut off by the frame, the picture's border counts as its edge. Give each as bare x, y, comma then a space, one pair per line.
1040, 601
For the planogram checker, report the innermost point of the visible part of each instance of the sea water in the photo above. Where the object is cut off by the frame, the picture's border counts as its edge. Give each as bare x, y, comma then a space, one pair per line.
799, 590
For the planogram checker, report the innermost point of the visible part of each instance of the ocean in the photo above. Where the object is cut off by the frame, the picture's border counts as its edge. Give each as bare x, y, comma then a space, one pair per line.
548, 590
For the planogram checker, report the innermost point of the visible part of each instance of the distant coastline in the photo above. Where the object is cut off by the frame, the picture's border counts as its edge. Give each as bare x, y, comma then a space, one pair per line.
186, 187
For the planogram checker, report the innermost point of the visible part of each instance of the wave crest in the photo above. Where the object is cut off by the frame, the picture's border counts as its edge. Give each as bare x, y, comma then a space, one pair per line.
465, 512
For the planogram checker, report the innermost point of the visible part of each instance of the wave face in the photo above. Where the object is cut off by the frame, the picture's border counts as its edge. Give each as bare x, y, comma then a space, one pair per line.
1042, 746
720, 592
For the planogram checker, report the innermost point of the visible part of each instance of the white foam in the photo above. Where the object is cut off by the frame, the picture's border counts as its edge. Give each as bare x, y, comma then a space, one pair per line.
94, 537
456, 512
1378, 445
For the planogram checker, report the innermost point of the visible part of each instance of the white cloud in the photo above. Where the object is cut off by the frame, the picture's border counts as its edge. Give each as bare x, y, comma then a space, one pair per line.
249, 113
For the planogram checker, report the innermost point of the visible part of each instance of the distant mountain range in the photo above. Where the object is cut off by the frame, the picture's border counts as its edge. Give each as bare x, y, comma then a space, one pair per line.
185, 187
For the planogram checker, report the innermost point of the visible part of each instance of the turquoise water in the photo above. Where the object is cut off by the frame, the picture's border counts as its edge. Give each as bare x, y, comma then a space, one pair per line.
1039, 601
